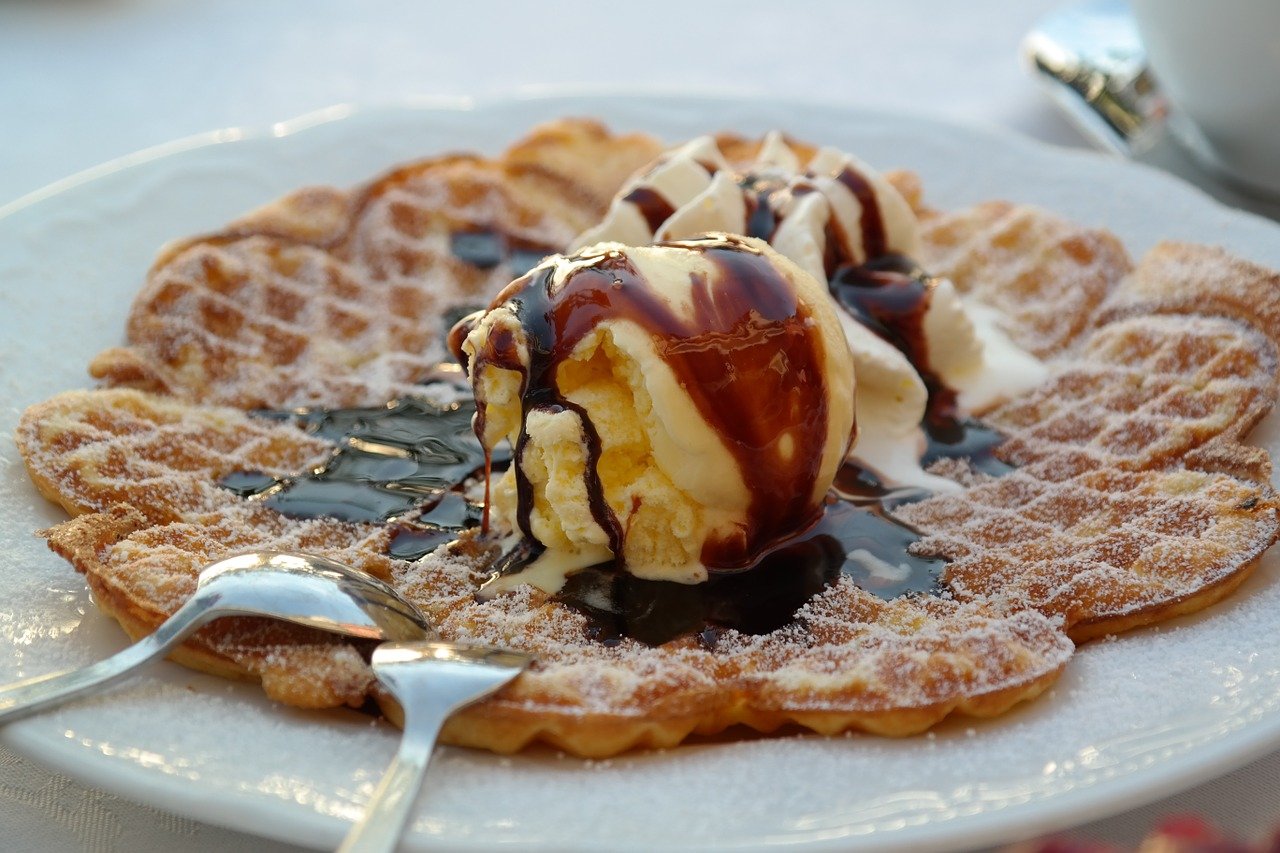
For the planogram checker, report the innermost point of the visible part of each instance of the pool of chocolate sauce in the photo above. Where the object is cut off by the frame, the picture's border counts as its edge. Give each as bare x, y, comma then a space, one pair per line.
862, 542
855, 535
390, 461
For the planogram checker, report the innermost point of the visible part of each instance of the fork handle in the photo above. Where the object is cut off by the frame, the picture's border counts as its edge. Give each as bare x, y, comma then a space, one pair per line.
32, 695
379, 830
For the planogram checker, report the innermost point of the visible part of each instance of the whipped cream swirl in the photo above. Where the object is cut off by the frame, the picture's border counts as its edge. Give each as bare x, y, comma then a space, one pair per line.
829, 214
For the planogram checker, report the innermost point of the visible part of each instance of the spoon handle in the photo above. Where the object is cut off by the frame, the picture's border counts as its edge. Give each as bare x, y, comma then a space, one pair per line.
430, 680
379, 830
31, 695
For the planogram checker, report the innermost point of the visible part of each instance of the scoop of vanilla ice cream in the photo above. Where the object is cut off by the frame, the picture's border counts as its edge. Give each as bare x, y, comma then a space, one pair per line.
680, 407
832, 211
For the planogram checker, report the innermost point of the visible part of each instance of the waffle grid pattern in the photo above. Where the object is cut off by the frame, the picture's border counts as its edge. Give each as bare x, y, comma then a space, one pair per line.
337, 298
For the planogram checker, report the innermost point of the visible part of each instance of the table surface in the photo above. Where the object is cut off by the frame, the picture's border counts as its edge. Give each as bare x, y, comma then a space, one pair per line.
83, 83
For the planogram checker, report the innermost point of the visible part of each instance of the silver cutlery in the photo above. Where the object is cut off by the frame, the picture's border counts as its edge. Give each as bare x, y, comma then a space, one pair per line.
431, 681
299, 588
1092, 63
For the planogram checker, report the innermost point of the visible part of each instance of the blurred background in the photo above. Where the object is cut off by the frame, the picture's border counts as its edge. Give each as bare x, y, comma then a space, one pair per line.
82, 83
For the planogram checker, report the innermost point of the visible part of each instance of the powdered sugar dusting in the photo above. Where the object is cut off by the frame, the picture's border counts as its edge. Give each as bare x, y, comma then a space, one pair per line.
1100, 520
124, 447
1046, 275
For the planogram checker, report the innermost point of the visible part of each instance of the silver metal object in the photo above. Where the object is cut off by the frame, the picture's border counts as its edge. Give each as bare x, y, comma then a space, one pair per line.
299, 588
430, 681
1090, 60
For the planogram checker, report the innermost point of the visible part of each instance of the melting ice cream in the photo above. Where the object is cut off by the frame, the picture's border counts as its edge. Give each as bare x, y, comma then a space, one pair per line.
679, 408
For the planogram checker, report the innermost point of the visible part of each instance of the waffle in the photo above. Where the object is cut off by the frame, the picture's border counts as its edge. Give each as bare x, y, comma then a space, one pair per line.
1048, 276
1106, 523
338, 298
141, 558
1133, 500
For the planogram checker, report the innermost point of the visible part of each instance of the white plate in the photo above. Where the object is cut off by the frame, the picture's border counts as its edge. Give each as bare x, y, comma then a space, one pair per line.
1130, 720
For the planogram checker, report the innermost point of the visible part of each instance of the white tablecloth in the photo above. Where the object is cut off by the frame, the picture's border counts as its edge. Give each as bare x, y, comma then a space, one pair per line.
82, 83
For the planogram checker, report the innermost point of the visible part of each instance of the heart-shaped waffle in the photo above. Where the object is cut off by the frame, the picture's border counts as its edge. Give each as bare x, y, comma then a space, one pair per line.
1133, 498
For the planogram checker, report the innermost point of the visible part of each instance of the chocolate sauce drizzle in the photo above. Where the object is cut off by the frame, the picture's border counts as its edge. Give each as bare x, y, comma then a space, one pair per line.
762, 213
653, 206
747, 395
890, 296
874, 243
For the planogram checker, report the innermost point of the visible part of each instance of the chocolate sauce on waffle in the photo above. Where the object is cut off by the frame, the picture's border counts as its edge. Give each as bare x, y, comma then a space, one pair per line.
855, 534
246, 484
399, 463
412, 540
390, 460
965, 439
486, 249
863, 543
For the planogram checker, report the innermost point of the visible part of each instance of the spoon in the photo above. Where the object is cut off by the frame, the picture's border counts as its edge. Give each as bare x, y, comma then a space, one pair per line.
1089, 57
300, 588
430, 680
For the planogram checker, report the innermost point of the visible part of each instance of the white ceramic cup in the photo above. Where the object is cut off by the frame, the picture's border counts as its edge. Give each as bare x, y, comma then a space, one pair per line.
1218, 61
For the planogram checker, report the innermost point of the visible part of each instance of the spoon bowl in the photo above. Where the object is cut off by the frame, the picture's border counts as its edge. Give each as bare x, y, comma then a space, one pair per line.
301, 588
308, 590
430, 680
